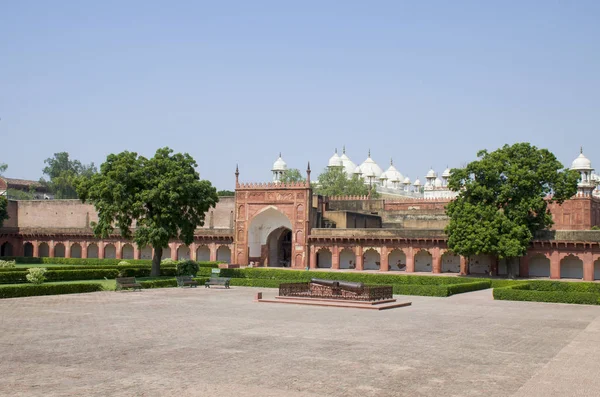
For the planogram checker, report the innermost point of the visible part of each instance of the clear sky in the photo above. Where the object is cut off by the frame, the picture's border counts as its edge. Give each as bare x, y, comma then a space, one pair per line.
428, 83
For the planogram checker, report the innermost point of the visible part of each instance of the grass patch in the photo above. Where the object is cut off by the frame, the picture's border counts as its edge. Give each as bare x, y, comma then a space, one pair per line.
551, 291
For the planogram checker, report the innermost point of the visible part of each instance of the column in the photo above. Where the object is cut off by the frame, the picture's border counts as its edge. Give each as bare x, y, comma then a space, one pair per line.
359, 257
335, 257
193, 248
588, 266
36, 248
84, 247
101, 245
555, 265
68, 249
137, 252
383, 260
213, 251
464, 266
119, 249
410, 260
436, 259
51, 248
313, 257
524, 265
173, 247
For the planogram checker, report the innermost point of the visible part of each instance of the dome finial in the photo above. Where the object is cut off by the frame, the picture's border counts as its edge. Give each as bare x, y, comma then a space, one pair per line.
344, 149
335, 150
369, 153
581, 149
279, 154
391, 161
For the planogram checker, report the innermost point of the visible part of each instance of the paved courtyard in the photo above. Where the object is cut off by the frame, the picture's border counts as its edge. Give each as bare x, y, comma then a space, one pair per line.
198, 342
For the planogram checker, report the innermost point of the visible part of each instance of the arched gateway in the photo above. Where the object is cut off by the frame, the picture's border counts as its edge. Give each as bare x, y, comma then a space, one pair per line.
272, 221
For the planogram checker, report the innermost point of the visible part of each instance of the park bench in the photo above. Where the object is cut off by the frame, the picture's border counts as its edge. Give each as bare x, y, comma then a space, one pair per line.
127, 282
216, 279
185, 281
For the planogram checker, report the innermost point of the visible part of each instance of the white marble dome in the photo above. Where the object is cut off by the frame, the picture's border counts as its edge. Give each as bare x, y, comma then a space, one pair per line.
349, 166
392, 175
279, 164
446, 173
417, 182
407, 181
431, 174
438, 183
369, 168
581, 163
335, 160
357, 170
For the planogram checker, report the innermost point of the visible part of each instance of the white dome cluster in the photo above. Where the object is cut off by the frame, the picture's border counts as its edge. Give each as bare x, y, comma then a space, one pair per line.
588, 180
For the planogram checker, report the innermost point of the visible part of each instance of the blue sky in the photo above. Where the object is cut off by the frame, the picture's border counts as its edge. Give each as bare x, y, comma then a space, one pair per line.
428, 83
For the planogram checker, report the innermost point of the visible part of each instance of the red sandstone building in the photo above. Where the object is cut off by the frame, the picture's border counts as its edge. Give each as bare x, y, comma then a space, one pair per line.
284, 225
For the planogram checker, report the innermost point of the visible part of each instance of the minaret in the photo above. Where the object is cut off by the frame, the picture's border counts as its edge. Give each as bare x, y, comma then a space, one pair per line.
237, 176
308, 174
583, 166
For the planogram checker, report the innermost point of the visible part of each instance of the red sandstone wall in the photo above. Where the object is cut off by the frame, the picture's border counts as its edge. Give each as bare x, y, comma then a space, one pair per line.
574, 214
406, 205
13, 215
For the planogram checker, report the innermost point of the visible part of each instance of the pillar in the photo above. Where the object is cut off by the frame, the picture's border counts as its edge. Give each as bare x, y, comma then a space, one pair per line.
51, 248
464, 266
436, 260
173, 247
101, 245
524, 265
213, 251
410, 260
359, 257
119, 250
383, 260
36, 248
335, 257
313, 257
193, 249
68, 245
137, 252
555, 265
588, 266
84, 248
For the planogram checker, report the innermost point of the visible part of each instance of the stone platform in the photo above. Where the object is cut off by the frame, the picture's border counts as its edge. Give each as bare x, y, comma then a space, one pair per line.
371, 305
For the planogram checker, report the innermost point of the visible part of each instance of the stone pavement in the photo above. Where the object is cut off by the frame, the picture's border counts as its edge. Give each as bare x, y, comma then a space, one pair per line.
199, 342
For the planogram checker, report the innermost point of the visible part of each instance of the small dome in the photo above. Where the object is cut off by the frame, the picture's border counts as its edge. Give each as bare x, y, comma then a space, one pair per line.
393, 175
581, 163
417, 182
357, 171
335, 160
446, 173
438, 182
370, 167
349, 166
431, 174
279, 164
407, 181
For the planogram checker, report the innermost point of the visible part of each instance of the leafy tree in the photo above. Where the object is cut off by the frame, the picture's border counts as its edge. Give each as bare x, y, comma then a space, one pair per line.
291, 175
3, 210
225, 193
503, 200
63, 174
16, 194
163, 195
334, 182
3, 168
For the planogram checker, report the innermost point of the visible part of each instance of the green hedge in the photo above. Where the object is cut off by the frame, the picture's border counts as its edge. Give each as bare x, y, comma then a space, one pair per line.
258, 282
549, 291
16, 291
93, 261
168, 283
60, 275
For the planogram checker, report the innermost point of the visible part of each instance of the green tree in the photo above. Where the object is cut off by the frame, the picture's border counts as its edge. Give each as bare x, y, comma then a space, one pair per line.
3, 210
16, 194
291, 175
3, 168
163, 195
334, 182
63, 174
225, 193
503, 200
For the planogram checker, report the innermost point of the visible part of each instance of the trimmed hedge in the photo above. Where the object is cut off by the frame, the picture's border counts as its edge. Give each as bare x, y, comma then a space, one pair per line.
168, 283
258, 282
16, 291
60, 275
93, 261
550, 291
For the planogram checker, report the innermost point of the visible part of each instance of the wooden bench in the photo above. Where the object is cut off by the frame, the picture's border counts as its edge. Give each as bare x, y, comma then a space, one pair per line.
185, 281
216, 279
127, 282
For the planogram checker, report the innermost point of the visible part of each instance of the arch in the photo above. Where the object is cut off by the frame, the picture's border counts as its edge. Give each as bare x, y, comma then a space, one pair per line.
44, 250
203, 253
450, 263
347, 259
397, 260
571, 267
224, 254
183, 253
146, 252
300, 212
75, 250
480, 264
260, 228
59, 250
110, 252
127, 251
28, 249
92, 250
6, 249
371, 259
279, 248
597, 269
423, 261
324, 258
539, 266
298, 260
166, 254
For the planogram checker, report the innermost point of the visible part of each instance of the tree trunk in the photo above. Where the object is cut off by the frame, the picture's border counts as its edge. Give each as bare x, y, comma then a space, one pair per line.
155, 272
509, 268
